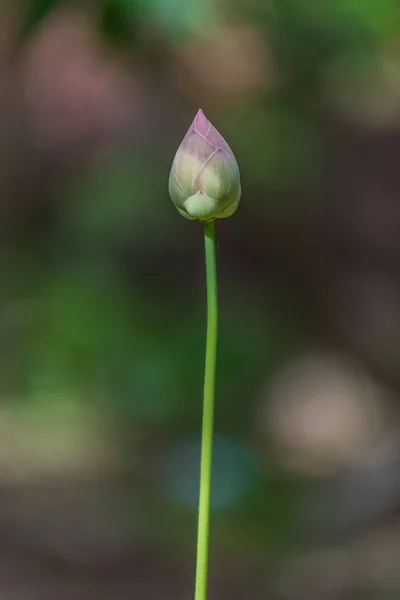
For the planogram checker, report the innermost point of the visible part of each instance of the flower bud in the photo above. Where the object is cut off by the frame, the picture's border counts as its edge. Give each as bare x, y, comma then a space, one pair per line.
204, 182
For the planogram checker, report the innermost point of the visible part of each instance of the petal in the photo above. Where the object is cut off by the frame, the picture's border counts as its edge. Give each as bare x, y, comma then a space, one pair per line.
216, 139
229, 209
201, 124
219, 178
190, 157
201, 206
183, 212
176, 191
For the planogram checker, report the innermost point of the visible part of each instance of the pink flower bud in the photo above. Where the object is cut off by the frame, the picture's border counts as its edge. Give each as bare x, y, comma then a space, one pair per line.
204, 182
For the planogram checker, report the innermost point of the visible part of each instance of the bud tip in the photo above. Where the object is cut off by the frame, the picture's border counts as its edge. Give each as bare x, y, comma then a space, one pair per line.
201, 123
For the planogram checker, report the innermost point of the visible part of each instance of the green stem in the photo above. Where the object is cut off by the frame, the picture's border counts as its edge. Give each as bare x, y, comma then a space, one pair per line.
208, 414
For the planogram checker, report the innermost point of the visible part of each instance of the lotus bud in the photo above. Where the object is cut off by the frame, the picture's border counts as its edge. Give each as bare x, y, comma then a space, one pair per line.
204, 182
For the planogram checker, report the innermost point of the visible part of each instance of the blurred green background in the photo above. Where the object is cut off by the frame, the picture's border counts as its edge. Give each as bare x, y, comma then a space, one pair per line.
102, 300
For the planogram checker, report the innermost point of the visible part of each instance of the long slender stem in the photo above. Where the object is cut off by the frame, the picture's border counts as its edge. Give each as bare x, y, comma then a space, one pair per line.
208, 414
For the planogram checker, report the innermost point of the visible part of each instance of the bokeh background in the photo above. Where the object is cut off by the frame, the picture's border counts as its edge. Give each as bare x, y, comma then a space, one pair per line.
102, 307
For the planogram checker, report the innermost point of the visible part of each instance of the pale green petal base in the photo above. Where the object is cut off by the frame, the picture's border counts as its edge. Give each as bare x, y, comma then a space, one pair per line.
184, 213
229, 210
201, 206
